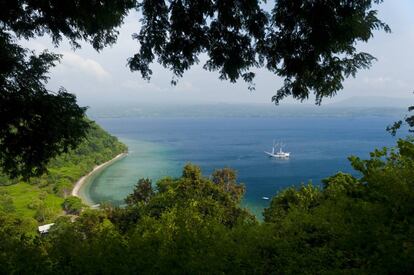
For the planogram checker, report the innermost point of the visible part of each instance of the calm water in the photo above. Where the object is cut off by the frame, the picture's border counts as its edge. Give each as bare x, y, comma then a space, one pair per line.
159, 147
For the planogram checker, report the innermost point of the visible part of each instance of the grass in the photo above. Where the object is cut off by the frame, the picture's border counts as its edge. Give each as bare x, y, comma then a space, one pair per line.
25, 194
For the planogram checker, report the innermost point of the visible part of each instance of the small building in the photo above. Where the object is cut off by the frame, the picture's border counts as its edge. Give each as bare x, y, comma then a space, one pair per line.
44, 229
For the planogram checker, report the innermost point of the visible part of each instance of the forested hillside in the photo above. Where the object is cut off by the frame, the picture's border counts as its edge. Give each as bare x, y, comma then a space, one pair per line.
194, 225
42, 197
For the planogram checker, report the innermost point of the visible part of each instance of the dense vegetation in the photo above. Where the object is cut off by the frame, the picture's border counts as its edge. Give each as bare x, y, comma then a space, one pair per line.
42, 197
194, 224
37, 124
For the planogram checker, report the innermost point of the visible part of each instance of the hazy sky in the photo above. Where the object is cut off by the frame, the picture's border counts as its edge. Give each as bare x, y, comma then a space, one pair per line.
100, 78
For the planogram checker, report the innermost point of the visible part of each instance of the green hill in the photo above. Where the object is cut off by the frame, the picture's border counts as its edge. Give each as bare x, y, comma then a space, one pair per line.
41, 198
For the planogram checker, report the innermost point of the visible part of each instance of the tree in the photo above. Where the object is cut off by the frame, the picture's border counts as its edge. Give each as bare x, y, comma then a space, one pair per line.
142, 192
311, 44
408, 120
209, 199
37, 124
304, 198
72, 205
352, 225
226, 178
192, 172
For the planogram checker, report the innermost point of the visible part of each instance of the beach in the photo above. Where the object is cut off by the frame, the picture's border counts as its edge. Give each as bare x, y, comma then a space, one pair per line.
78, 185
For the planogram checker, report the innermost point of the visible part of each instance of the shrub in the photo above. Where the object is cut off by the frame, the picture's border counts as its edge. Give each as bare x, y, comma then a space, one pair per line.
72, 205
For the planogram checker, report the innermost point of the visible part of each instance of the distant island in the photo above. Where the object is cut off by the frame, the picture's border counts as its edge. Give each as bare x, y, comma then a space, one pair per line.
351, 108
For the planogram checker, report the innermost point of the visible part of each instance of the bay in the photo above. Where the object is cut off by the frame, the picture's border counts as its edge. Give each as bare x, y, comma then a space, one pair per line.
160, 147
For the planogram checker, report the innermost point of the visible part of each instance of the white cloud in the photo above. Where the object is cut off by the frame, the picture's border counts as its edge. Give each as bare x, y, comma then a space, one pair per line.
84, 65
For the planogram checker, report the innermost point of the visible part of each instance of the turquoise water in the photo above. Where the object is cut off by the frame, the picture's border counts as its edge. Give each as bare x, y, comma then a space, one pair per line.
114, 183
159, 147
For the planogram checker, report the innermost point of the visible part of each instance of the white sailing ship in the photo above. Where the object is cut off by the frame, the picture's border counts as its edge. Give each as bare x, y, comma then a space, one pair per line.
280, 154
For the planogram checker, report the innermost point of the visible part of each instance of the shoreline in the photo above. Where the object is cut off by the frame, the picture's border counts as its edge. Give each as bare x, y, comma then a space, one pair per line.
80, 182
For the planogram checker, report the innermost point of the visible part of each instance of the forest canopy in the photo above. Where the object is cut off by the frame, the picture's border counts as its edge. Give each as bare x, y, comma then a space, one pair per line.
194, 224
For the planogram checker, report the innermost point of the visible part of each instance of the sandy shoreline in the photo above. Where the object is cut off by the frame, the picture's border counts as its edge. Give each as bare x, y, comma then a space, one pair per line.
82, 180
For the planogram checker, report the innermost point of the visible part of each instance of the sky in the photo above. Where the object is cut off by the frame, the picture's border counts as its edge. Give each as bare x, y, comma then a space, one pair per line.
103, 78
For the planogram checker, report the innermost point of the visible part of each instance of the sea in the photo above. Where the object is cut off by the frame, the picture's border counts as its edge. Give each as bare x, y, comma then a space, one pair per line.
159, 147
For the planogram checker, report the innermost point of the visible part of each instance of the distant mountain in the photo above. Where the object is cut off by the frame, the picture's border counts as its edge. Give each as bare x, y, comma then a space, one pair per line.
351, 107
373, 102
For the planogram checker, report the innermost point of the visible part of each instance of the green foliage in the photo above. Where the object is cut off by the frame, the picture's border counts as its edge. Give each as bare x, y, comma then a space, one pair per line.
194, 224
303, 199
355, 225
98, 147
192, 172
311, 44
226, 179
92, 21
72, 205
192, 190
18, 242
41, 197
44, 213
408, 120
36, 124
30, 200
142, 192
6, 202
